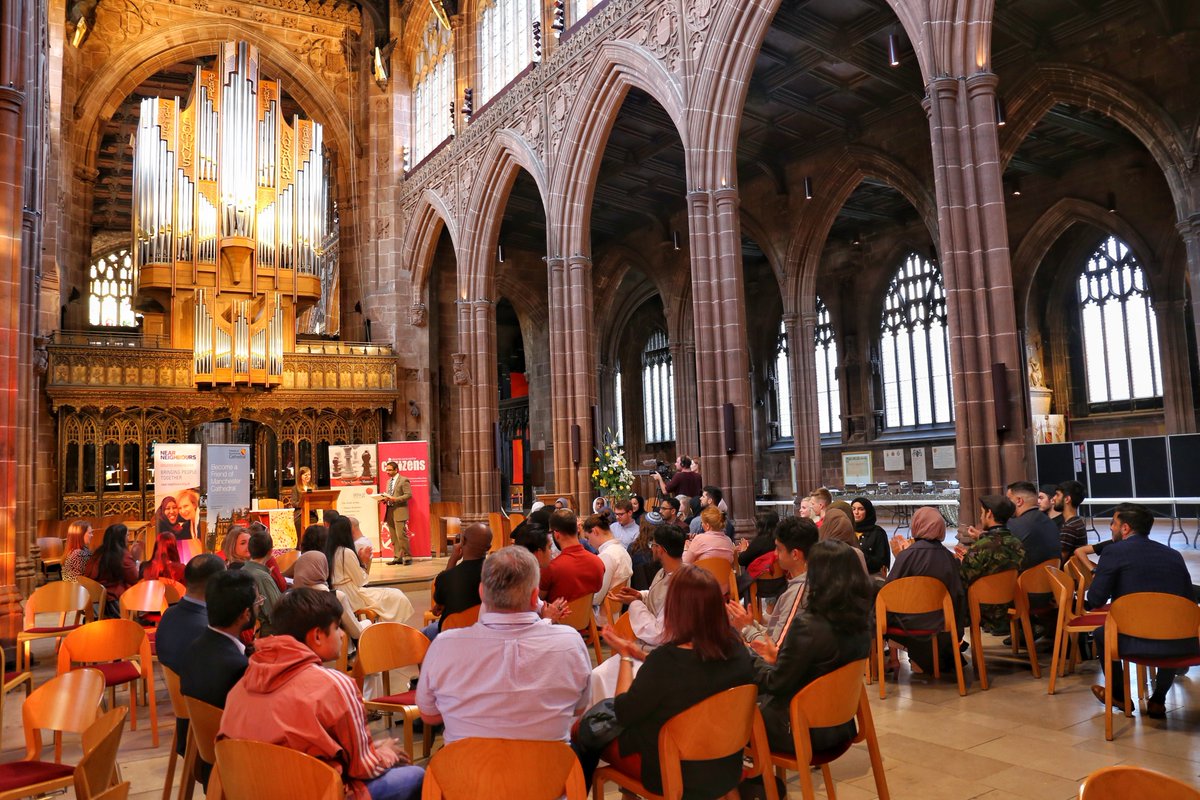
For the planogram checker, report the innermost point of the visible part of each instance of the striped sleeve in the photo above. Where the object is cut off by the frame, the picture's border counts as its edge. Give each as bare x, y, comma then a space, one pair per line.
363, 761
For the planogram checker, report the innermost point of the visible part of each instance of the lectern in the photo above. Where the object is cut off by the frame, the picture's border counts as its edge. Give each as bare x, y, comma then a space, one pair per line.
323, 499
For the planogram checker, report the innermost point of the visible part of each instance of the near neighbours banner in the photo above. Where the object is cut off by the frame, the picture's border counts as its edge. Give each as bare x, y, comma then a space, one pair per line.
177, 494
353, 470
412, 459
228, 487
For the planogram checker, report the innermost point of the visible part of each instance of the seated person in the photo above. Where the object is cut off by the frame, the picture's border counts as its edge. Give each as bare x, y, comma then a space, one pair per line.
347, 575
700, 656
256, 568
618, 566
711, 542
872, 539
575, 572
113, 566
456, 588
832, 631
312, 572
287, 698
164, 560
276, 575
750, 550
794, 538
641, 557
994, 550
927, 556
313, 539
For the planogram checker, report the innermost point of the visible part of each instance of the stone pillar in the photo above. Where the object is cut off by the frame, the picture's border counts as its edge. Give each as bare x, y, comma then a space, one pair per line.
1179, 411
722, 352
478, 407
978, 280
1189, 229
683, 369
806, 427
572, 374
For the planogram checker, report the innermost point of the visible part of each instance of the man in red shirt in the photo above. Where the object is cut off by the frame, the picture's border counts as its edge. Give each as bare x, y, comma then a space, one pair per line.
575, 571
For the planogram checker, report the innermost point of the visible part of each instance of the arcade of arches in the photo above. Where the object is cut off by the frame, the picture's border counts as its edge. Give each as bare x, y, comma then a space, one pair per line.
763, 234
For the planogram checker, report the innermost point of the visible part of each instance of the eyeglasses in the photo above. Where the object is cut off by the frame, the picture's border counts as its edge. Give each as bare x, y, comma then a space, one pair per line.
666, 508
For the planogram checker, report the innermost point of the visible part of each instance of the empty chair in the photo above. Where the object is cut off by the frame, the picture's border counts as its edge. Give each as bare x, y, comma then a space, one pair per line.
101, 740
98, 596
110, 645
69, 601
580, 617
261, 771
504, 769
1068, 626
382, 648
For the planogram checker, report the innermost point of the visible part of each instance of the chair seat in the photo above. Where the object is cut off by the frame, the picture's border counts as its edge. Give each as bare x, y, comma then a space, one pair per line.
17, 774
910, 632
12, 674
403, 699
1165, 662
1088, 621
51, 629
820, 757
118, 672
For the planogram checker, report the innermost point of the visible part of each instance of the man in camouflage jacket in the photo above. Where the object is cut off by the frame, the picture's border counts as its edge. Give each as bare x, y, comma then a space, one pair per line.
994, 550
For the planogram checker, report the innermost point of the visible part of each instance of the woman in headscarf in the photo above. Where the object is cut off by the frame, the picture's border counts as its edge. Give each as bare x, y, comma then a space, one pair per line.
872, 539
311, 571
837, 526
928, 557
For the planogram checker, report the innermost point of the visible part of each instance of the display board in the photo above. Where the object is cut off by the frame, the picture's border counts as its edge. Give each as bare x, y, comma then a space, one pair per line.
1184, 451
1110, 469
1057, 463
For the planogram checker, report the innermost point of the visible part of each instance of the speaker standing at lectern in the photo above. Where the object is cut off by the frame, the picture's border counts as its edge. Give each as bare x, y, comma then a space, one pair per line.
396, 498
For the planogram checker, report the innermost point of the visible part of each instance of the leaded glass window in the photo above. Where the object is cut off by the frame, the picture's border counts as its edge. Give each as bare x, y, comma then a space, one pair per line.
658, 389
505, 42
110, 300
433, 90
829, 395
914, 348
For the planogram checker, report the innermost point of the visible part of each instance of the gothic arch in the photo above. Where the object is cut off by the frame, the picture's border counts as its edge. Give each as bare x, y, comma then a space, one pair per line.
752, 227
421, 239
1049, 84
619, 67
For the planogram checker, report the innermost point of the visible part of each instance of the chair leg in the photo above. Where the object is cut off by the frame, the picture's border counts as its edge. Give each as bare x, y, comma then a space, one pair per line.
1057, 659
1012, 633
187, 781
882, 666
937, 667
133, 703
958, 671
427, 740
977, 654
169, 783
1027, 627
829, 790
597, 789
408, 734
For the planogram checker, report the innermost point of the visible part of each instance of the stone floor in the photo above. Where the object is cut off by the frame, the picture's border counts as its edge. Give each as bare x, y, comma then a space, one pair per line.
1013, 741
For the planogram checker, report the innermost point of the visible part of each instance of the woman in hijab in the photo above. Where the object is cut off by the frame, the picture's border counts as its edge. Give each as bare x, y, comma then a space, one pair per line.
837, 526
871, 538
928, 557
312, 571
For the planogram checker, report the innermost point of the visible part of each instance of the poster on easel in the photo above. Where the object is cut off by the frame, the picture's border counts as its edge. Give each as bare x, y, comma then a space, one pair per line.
412, 462
177, 495
353, 469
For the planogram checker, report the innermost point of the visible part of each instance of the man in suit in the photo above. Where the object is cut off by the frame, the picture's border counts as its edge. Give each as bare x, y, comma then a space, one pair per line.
1136, 563
217, 659
396, 498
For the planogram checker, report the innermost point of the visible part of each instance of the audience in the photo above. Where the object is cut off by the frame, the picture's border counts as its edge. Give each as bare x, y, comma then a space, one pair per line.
832, 630
1037, 534
762, 549
216, 660
272, 567
836, 525
641, 555
77, 551
639, 507
994, 550
711, 542
312, 572
575, 572
1137, 563
287, 698
542, 685
1068, 497
1048, 505
256, 568
928, 557
794, 539
346, 575
164, 560
182, 623
625, 528
456, 588
668, 509
818, 501
235, 548
711, 497
646, 607
872, 539
113, 567
700, 656
618, 566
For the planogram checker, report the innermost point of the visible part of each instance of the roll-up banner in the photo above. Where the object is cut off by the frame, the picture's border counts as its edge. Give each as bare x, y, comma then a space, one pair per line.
177, 495
412, 460
353, 469
228, 486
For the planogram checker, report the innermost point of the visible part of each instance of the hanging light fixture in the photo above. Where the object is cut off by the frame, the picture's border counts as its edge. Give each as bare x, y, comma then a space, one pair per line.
893, 46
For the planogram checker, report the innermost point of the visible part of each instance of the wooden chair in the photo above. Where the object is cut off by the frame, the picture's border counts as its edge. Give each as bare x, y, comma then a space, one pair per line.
623, 627
462, 619
118, 792
1035, 580
204, 721
504, 769
718, 726
144, 597
580, 617
429, 616
998, 589
64, 704
95, 771
513, 521
98, 595
915, 595
1146, 615
722, 570
69, 600
383, 647
830, 700
1124, 782
261, 771
109, 645
14, 680
179, 707
287, 560
775, 574
51, 548
173, 591
268, 503
1082, 573
1068, 626
500, 530
612, 610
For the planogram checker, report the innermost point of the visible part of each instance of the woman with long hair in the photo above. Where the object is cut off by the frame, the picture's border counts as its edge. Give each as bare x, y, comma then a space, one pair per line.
639, 507
832, 630
188, 504
347, 575
645, 565
166, 519
77, 550
304, 484
112, 565
236, 547
164, 561
700, 656
872, 539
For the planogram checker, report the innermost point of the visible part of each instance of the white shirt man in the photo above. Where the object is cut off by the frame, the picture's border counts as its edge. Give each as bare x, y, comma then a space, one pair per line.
625, 529
618, 566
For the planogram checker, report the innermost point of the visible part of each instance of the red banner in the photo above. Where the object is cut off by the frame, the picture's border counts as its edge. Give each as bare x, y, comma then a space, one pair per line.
412, 459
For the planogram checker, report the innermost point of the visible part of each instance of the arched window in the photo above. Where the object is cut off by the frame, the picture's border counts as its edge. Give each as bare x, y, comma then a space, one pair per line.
505, 42
914, 348
433, 90
1120, 334
110, 301
619, 403
780, 372
829, 395
658, 389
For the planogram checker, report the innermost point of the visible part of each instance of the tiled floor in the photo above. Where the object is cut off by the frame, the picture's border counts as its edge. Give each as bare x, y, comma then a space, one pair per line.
1013, 741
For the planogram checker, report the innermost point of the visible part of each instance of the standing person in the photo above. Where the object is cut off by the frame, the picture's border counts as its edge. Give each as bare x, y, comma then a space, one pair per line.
166, 519
304, 485
164, 560
872, 539
1068, 497
684, 481
113, 566
395, 501
188, 502
346, 574
288, 698
1136, 563
77, 550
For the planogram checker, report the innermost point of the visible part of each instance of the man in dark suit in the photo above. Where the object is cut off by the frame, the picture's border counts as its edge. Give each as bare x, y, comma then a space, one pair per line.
183, 622
1136, 563
217, 659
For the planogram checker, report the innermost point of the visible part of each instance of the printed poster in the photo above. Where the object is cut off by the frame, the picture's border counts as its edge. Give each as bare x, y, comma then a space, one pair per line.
893, 460
920, 473
354, 470
177, 494
228, 487
412, 460
856, 469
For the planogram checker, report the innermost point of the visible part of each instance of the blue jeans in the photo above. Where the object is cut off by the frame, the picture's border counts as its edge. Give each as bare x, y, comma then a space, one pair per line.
431, 630
398, 783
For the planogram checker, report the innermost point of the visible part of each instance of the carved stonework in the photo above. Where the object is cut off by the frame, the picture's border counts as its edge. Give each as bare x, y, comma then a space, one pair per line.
462, 373
418, 315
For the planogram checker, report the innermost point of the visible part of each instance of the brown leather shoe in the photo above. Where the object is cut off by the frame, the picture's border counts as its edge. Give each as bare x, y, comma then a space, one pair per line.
1098, 692
1156, 710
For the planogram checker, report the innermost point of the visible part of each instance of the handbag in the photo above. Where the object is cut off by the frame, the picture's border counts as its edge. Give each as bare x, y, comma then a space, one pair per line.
598, 727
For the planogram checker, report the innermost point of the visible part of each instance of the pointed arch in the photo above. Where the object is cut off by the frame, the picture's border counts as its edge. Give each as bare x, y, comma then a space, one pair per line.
421, 239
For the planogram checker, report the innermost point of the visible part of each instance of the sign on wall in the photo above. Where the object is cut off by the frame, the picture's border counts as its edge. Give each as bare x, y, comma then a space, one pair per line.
856, 469
893, 460
412, 460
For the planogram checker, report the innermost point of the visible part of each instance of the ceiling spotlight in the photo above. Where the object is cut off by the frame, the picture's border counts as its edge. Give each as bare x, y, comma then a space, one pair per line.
893, 50
1112, 202
1001, 116
1016, 187
808, 188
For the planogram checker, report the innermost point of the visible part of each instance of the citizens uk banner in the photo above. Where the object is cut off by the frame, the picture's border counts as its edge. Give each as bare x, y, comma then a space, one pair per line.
412, 461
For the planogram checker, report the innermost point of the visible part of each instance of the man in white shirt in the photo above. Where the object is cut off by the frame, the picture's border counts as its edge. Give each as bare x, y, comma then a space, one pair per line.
511, 675
625, 529
618, 566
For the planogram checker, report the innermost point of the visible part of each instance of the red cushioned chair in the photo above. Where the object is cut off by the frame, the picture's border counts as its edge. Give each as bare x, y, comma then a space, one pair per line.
383, 647
915, 595
1070, 625
109, 645
69, 600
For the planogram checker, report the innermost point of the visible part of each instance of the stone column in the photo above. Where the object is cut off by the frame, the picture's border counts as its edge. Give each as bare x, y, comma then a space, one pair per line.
806, 427
1189, 229
722, 352
478, 406
572, 374
1179, 411
683, 369
978, 280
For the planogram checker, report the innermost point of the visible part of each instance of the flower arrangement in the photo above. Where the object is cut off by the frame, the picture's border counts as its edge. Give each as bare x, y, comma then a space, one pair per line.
611, 475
